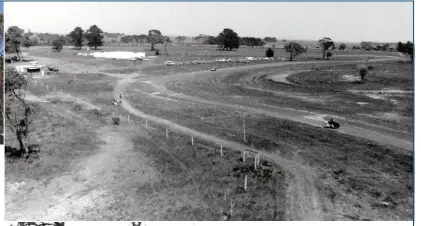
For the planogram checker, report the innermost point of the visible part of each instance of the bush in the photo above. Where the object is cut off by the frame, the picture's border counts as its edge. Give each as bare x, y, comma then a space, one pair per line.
269, 52
363, 71
329, 55
116, 120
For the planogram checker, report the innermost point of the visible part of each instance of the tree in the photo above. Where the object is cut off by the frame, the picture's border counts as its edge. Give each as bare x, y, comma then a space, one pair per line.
228, 39
197, 38
166, 41
410, 49
385, 47
210, 40
18, 112
342, 47
180, 39
154, 37
76, 37
326, 44
26, 41
269, 52
127, 39
294, 49
252, 41
407, 48
400, 48
270, 39
14, 37
95, 36
58, 44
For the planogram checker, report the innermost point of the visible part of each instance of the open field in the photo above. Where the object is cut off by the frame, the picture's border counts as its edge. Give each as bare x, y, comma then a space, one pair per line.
274, 109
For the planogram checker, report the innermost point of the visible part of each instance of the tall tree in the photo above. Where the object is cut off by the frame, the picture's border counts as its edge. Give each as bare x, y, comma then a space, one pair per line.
14, 37
76, 37
95, 36
228, 39
180, 39
325, 44
294, 49
167, 40
18, 112
58, 44
154, 37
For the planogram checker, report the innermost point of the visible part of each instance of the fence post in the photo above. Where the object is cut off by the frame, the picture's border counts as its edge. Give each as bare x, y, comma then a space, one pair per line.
244, 156
221, 151
192, 140
244, 128
245, 183
146, 124
128, 118
255, 162
258, 159
166, 132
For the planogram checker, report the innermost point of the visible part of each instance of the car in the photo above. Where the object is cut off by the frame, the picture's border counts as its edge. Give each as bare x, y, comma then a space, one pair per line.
222, 60
170, 63
265, 58
213, 69
52, 68
229, 60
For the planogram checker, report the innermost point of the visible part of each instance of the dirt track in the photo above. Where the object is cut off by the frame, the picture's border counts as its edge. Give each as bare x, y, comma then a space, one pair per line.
303, 200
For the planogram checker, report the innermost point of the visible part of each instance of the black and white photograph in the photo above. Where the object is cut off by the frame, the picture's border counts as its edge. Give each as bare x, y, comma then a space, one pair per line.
208, 111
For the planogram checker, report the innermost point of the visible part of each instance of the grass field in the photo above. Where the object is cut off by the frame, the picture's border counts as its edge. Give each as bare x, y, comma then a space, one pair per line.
125, 172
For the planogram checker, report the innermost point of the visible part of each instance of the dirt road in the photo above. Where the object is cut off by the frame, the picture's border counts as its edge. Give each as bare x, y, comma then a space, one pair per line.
303, 199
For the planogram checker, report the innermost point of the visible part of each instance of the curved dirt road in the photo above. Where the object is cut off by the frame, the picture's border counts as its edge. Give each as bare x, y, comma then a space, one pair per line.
303, 202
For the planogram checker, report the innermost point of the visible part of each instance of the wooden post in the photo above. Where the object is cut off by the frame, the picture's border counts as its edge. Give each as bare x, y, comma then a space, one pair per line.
221, 151
255, 162
146, 124
244, 128
166, 132
245, 183
258, 159
128, 118
244, 156
192, 140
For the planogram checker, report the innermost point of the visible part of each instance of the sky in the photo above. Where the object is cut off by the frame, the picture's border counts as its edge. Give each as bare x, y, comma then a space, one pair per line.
345, 21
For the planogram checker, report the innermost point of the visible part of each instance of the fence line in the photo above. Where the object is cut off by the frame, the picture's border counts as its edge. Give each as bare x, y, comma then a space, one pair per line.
123, 118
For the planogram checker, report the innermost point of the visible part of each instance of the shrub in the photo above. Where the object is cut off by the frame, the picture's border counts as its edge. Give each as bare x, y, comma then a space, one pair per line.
363, 71
116, 120
269, 52
329, 55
